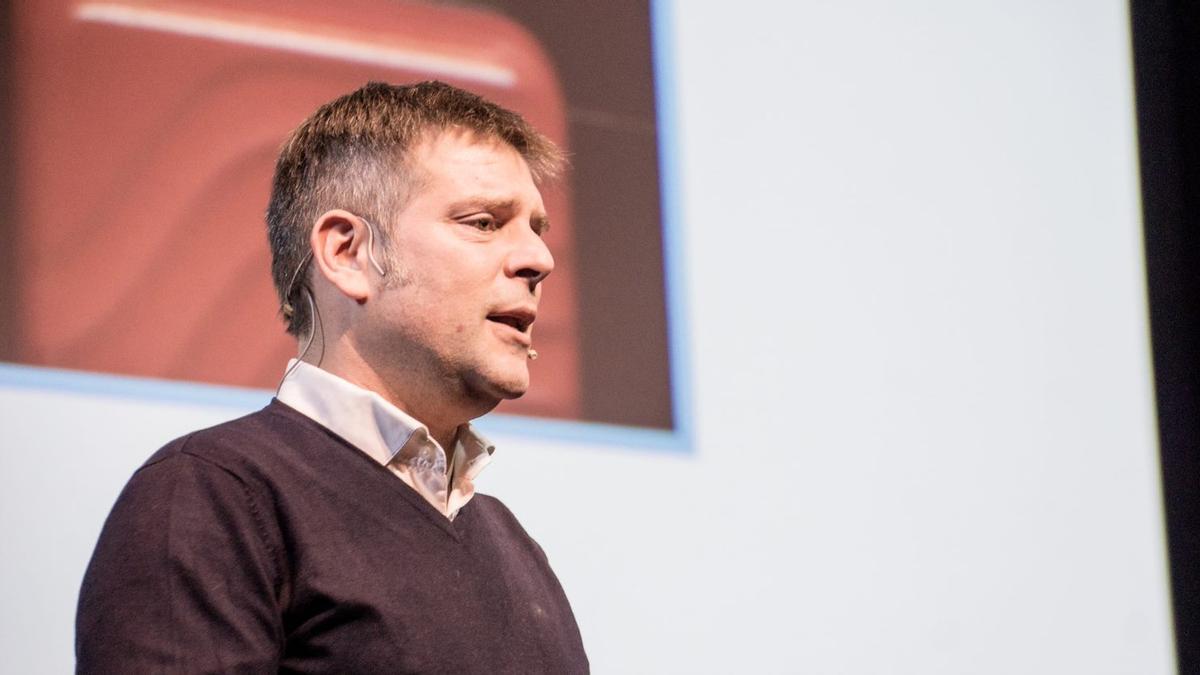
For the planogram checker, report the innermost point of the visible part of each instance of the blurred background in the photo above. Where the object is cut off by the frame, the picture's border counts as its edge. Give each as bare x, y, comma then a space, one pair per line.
849, 357
146, 132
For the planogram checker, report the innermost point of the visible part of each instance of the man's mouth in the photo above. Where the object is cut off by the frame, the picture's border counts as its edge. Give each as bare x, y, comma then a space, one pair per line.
519, 318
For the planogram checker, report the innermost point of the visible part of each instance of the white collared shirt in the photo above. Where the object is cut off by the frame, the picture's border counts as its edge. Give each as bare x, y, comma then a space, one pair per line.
389, 435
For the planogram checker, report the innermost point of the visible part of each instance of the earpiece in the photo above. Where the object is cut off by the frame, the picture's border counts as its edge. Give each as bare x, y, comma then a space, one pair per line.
371, 247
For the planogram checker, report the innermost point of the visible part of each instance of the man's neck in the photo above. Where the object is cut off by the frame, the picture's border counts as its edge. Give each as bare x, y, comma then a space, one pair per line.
427, 407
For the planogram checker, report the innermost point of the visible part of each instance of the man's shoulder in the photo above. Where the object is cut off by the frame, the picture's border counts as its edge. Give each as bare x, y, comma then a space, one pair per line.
501, 520
492, 504
497, 513
253, 440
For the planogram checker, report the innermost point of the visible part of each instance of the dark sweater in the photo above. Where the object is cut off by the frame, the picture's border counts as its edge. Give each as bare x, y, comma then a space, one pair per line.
268, 543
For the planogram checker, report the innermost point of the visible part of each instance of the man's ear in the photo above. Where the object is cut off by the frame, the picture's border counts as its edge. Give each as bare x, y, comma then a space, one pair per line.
340, 243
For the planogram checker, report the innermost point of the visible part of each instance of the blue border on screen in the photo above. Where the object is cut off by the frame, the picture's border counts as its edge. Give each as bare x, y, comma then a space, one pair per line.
677, 439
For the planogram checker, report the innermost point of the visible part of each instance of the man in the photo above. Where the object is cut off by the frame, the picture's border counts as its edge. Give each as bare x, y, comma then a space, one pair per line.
337, 530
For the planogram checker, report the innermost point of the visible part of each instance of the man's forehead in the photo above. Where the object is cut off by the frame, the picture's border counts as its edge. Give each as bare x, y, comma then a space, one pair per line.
468, 160
440, 143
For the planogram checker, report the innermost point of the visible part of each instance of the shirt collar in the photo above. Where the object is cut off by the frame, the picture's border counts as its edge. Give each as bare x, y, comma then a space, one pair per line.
372, 424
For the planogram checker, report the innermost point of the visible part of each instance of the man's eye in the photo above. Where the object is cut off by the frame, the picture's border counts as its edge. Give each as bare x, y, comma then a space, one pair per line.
484, 223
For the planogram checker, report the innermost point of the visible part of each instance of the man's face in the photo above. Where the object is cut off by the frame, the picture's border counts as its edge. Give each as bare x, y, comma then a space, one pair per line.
466, 259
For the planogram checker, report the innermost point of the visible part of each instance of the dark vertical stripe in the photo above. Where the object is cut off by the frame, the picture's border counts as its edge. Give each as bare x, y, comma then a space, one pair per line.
1166, 41
10, 327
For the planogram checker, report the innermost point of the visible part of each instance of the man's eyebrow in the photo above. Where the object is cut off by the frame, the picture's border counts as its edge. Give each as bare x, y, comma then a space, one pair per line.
539, 221
483, 203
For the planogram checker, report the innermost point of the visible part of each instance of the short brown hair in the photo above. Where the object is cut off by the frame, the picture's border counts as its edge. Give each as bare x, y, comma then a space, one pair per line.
351, 154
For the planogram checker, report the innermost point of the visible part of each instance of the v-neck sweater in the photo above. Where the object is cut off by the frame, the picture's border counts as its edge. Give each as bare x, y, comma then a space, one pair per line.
271, 544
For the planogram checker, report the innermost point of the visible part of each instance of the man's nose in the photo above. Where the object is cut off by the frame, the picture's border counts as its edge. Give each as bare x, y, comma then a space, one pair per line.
530, 258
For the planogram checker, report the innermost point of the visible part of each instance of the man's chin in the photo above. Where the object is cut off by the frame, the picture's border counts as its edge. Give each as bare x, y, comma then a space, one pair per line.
495, 387
510, 390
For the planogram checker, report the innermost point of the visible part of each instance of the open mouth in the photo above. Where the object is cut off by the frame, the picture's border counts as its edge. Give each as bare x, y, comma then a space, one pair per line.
519, 320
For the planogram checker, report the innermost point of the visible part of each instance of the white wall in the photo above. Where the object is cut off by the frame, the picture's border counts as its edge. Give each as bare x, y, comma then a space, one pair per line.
920, 364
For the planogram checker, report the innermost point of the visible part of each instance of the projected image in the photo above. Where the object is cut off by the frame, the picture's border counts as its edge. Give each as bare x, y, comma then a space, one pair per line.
143, 136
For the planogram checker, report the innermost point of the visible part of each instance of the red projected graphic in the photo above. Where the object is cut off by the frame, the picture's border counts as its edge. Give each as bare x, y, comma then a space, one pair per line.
146, 134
